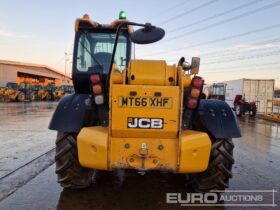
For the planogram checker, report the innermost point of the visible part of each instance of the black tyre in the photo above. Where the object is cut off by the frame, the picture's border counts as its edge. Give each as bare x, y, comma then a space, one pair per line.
218, 173
69, 172
32, 96
21, 97
253, 113
48, 97
238, 110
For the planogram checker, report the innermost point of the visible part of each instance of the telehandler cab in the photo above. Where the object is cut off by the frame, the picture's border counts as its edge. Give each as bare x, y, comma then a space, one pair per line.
138, 114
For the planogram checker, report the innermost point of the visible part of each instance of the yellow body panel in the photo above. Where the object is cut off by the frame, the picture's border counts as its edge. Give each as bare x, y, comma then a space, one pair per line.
195, 151
93, 147
156, 154
124, 107
159, 153
148, 72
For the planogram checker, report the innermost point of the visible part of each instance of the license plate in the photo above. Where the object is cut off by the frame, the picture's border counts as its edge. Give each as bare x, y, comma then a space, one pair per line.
146, 102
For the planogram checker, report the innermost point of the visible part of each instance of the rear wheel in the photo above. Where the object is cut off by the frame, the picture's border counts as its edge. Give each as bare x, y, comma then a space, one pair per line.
69, 172
21, 96
33, 96
253, 112
218, 173
238, 110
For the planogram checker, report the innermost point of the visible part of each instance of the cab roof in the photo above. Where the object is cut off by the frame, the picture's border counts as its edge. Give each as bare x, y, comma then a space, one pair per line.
86, 23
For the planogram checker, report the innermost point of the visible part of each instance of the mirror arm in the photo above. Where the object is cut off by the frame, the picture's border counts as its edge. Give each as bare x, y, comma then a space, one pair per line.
116, 43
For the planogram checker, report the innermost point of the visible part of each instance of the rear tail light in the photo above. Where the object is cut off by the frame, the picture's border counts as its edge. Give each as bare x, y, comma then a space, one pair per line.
97, 89
192, 103
197, 82
99, 99
95, 78
195, 93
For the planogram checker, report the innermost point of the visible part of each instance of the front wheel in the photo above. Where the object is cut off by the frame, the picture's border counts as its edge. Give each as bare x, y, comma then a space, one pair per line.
218, 173
21, 97
69, 172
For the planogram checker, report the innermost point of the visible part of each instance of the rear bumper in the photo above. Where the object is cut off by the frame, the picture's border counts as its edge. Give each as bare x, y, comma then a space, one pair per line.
189, 154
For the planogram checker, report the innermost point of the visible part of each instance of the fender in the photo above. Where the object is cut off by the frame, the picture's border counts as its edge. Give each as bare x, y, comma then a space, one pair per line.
217, 118
71, 113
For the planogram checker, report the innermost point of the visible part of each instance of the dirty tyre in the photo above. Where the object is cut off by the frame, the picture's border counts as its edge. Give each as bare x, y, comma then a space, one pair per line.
70, 173
218, 173
253, 113
48, 97
21, 97
32, 96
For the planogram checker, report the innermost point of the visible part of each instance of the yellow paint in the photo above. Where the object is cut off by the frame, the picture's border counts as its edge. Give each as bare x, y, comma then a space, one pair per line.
160, 153
169, 148
151, 72
169, 112
93, 147
195, 151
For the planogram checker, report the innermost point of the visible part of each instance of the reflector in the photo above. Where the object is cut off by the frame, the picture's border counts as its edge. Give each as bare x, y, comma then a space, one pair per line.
192, 103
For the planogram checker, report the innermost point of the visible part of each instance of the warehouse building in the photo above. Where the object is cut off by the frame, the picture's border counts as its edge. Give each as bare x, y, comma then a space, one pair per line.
11, 71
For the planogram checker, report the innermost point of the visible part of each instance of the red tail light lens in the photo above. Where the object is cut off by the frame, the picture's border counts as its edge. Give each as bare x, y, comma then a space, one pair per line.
192, 103
197, 82
95, 78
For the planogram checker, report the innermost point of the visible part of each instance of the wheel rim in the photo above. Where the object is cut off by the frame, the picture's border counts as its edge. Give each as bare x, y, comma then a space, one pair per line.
237, 109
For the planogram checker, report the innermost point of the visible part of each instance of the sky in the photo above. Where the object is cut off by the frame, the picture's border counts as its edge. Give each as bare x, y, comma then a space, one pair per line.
234, 38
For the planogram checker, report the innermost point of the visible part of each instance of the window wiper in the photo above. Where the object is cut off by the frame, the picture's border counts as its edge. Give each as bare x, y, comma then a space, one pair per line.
89, 52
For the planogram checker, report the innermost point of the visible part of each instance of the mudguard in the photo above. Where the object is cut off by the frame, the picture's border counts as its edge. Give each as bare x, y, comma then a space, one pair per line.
71, 112
217, 118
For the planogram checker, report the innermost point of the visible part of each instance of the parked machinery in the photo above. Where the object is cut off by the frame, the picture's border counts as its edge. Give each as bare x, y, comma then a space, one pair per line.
217, 91
62, 91
138, 114
10, 88
241, 106
47, 93
2, 93
22, 93
272, 111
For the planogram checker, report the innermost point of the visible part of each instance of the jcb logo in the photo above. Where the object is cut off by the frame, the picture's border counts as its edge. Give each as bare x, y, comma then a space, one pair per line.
145, 123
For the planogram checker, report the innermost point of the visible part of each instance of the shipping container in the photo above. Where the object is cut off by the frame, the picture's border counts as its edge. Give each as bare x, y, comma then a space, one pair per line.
258, 90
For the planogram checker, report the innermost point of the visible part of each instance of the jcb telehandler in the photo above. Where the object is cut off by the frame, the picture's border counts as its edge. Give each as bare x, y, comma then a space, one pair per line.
138, 114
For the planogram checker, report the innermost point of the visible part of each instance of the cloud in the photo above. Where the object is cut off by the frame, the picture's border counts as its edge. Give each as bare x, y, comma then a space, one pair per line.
11, 34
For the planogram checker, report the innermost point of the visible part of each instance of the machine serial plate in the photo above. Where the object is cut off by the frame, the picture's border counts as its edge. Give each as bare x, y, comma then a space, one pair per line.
148, 102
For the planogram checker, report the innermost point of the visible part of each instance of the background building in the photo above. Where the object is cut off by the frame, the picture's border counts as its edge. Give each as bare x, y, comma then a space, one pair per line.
11, 71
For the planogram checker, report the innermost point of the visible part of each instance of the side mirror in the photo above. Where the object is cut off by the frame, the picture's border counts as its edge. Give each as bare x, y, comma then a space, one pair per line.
195, 65
148, 34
